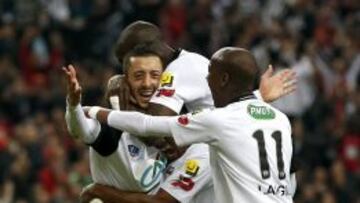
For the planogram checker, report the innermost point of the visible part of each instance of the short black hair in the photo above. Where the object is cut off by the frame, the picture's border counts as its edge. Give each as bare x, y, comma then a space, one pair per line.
144, 49
136, 33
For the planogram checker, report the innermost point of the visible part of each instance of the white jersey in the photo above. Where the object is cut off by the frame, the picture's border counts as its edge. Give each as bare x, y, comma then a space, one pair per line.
188, 179
184, 84
137, 167
250, 150
132, 167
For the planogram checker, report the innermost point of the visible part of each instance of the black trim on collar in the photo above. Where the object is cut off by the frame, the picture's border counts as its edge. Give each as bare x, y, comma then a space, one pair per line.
244, 97
176, 54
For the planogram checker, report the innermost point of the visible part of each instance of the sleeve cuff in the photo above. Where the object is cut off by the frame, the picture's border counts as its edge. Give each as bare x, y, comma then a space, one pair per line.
78, 107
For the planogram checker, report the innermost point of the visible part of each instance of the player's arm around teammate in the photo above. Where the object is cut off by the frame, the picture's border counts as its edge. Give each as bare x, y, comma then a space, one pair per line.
108, 194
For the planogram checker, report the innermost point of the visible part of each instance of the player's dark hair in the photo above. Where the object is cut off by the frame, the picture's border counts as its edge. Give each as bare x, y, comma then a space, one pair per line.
136, 33
145, 49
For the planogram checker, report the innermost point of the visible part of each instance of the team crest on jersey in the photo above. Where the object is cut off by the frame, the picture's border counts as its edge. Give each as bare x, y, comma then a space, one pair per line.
183, 120
166, 80
133, 150
192, 167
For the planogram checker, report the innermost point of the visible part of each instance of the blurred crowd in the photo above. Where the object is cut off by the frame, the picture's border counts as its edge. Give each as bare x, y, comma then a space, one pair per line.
319, 39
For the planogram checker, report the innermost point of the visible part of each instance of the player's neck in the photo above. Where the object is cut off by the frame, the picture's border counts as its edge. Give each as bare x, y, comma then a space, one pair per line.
242, 96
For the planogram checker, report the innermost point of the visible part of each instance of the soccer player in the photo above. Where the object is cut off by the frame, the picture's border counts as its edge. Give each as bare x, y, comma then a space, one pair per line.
249, 141
117, 160
187, 178
184, 82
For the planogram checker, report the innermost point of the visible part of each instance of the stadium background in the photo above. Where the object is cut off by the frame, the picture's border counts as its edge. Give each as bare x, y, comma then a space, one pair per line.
318, 38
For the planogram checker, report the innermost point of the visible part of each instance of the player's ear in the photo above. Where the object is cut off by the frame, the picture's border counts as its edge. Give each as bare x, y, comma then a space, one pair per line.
224, 79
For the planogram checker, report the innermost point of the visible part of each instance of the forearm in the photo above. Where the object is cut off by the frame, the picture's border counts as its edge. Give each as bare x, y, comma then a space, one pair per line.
134, 122
79, 126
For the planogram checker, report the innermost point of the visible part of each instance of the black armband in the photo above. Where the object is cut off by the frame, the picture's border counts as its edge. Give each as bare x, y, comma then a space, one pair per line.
107, 142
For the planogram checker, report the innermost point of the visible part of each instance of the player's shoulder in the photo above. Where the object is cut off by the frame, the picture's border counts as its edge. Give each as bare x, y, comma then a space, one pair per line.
187, 58
279, 115
259, 110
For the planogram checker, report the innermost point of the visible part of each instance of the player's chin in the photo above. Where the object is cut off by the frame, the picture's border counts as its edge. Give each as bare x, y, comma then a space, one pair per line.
144, 102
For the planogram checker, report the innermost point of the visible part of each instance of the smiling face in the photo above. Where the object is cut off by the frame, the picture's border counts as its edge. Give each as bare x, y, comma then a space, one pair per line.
143, 76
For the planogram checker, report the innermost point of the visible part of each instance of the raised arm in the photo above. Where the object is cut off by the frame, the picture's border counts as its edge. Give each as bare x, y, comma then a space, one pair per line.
78, 125
274, 86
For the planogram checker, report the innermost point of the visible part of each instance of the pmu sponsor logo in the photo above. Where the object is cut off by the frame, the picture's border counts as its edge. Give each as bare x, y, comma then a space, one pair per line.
260, 112
280, 190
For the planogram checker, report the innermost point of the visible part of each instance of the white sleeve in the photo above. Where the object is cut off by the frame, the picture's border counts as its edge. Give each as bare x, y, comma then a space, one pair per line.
181, 84
185, 129
140, 124
79, 126
189, 178
190, 128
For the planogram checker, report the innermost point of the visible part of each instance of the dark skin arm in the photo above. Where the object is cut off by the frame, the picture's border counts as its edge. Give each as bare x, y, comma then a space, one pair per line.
160, 110
112, 195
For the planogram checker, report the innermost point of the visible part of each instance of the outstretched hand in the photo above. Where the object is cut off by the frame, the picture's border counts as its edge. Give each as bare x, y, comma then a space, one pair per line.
73, 86
272, 87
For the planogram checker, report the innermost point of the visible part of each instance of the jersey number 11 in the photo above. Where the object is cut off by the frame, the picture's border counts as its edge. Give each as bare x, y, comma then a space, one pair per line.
264, 164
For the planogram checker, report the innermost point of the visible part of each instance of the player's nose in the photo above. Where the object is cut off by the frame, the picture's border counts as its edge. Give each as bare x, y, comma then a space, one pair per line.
147, 81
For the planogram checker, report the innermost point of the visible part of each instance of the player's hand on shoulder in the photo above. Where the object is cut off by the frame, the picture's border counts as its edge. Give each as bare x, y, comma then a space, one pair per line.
273, 86
73, 86
118, 93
